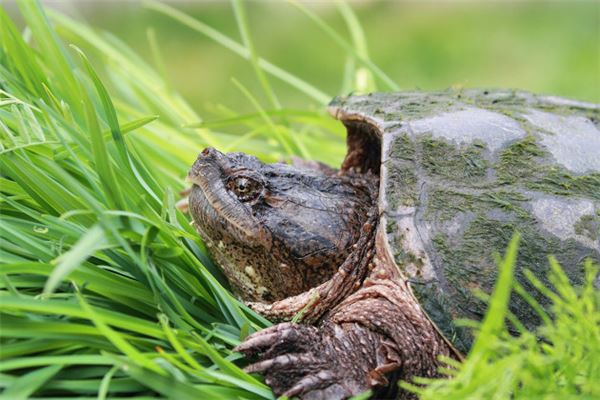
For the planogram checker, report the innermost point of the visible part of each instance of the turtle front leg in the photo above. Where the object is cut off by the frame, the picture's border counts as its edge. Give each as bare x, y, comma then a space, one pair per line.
376, 336
315, 363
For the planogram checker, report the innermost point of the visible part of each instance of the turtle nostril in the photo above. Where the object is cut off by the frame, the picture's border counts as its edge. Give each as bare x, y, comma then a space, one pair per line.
206, 151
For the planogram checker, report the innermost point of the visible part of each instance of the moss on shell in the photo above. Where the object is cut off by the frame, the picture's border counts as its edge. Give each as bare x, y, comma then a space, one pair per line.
396, 107
588, 226
468, 264
444, 204
527, 164
454, 162
403, 148
405, 191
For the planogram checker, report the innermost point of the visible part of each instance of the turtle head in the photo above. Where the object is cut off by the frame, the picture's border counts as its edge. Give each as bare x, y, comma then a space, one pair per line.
275, 230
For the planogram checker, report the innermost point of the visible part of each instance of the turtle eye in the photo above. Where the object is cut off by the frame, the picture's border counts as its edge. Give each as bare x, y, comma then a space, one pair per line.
245, 188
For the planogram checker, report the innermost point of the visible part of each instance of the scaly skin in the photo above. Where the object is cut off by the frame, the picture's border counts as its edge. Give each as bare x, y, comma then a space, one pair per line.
287, 233
361, 326
375, 336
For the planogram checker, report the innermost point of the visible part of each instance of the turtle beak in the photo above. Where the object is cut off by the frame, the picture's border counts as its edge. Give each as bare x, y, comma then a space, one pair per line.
213, 206
209, 161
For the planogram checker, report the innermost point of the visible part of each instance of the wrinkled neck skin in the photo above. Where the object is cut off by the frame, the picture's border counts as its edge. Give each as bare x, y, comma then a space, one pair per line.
276, 230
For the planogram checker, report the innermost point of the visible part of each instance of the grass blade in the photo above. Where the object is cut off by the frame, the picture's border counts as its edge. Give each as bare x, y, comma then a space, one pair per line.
493, 321
237, 48
391, 85
93, 240
240, 16
28, 384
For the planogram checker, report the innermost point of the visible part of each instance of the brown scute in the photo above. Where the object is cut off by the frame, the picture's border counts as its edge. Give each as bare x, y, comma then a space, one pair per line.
364, 146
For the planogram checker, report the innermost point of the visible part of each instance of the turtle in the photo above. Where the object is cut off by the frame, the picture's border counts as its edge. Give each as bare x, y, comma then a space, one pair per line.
367, 268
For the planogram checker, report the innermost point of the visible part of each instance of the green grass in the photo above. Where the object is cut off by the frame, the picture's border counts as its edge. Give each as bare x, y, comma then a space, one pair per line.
106, 290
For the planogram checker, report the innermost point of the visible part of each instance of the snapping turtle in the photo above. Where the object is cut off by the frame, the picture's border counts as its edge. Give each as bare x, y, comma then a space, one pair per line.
377, 260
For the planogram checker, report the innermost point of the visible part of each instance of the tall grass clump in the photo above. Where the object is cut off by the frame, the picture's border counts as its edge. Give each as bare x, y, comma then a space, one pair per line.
106, 290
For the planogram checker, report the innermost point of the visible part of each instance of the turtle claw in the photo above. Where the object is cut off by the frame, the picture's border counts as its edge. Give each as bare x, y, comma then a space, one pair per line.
305, 373
254, 344
282, 338
282, 362
318, 386
296, 361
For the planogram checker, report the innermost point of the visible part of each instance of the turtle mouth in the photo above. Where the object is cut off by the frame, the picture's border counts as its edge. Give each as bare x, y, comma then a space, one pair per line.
363, 141
213, 208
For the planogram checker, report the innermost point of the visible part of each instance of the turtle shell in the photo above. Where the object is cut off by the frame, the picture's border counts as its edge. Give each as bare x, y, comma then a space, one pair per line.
460, 172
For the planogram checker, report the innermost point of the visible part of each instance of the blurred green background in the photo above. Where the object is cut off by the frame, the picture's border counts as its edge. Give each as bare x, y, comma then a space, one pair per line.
549, 47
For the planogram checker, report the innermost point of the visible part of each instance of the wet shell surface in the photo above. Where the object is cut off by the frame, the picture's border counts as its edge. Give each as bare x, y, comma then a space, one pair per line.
461, 171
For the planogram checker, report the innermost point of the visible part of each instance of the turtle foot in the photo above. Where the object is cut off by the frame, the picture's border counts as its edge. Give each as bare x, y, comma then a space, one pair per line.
300, 361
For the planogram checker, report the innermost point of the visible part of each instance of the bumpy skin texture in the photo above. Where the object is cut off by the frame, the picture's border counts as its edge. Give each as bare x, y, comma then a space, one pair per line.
287, 232
365, 321
375, 336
